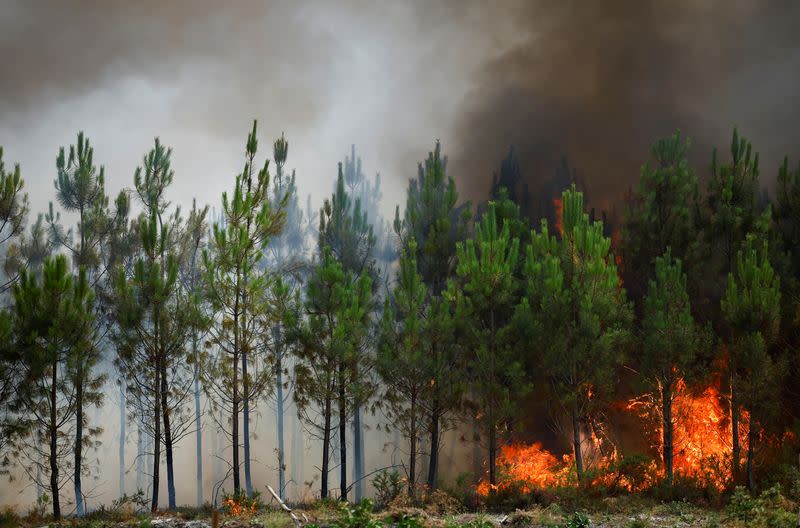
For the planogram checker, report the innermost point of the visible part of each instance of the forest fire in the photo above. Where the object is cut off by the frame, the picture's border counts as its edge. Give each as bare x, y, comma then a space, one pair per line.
702, 432
702, 449
529, 467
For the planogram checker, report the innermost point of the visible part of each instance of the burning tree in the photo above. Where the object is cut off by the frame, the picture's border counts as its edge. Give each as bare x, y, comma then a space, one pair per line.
486, 294
577, 305
670, 344
752, 309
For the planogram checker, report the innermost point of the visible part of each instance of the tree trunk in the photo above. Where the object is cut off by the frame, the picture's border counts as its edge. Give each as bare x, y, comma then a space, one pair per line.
358, 453
298, 456
326, 448
78, 462
412, 466
279, 418
237, 486
54, 443
492, 453
167, 438
199, 433
736, 455
576, 443
122, 436
666, 402
156, 437
434, 458
248, 481
412, 461
140, 456
342, 437
751, 441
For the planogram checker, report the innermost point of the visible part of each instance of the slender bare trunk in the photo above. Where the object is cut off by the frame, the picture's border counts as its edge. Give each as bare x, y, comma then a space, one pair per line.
576, 443
279, 416
199, 432
342, 436
122, 436
167, 438
666, 401
326, 448
78, 462
434, 457
736, 454
751, 441
156, 437
54, 442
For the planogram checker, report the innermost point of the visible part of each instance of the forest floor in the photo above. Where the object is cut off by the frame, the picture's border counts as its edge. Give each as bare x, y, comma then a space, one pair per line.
607, 513
670, 515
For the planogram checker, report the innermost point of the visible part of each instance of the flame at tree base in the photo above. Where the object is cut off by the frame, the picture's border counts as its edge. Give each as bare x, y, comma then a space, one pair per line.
701, 450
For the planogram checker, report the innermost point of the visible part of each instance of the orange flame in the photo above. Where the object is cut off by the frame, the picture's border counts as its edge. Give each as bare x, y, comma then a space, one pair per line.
701, 448
701, 432
237, 509
529, 467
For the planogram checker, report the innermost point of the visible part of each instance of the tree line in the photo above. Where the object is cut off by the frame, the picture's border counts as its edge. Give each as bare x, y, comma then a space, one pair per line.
444, 316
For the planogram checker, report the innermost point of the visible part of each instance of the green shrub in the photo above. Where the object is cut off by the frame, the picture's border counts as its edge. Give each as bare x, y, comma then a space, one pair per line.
743, 506
579, 520
388, 485
358, 516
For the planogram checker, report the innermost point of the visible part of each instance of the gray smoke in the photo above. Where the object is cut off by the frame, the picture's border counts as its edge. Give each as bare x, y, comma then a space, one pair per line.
598, 82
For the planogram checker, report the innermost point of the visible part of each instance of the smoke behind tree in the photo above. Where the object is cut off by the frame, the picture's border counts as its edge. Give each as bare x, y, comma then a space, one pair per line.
598, 82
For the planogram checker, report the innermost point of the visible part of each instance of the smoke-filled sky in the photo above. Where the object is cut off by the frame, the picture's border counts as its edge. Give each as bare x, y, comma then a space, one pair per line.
596, 81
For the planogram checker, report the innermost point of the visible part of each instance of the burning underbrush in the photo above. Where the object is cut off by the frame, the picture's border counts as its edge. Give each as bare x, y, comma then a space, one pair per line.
702, 448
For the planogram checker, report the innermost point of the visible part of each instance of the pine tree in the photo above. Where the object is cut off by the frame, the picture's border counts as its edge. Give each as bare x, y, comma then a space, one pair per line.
751, 307
660, 213
13, 214
346, 232
237, 373
13, 211
578, 307
487, 293
80, 189
194, 241
368, 194
53, 321
285, 256
154, 320
327, 350
401, 358
434, 220
730, 211
670, 343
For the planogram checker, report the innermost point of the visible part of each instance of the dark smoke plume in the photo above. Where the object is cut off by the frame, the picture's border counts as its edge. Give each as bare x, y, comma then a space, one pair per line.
598, 82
